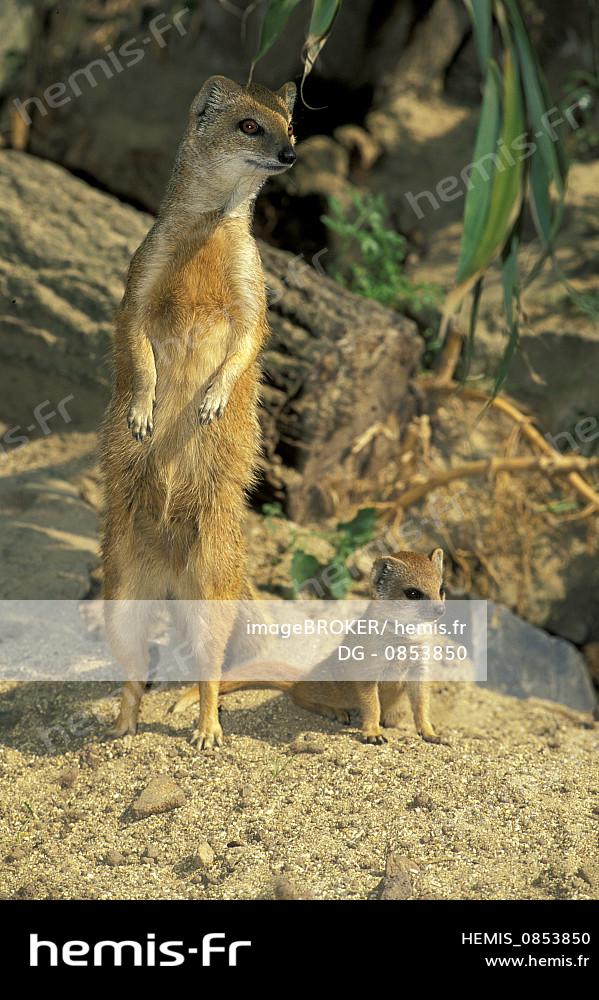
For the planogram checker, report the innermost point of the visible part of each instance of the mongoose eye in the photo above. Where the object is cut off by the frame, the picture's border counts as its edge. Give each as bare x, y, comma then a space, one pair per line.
413, 594
249, 126
290, 130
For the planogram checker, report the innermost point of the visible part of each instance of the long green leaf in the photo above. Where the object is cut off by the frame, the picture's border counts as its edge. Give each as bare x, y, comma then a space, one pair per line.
505, 200
479, 194
481, 14
323, 17
274, 20
507, 192
537, 103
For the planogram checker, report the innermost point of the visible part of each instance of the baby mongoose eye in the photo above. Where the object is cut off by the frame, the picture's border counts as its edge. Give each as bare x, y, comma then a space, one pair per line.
413, 594
249, 126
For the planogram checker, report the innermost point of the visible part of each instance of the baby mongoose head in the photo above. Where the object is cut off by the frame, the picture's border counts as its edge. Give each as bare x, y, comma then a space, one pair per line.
243, 130
407, 576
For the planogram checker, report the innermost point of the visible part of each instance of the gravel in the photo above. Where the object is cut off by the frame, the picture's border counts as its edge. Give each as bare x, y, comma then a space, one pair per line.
497, 814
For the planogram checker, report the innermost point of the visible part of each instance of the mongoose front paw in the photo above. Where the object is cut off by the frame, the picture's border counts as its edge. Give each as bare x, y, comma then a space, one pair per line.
376, 739
213, 403
204, 739
140, 419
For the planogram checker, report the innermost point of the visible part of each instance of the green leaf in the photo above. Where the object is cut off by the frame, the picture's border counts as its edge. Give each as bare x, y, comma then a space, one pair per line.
324, 13
478, 197
323, 17
537, 102
481, 12
274, 20
507, 191
304, 567
360, 529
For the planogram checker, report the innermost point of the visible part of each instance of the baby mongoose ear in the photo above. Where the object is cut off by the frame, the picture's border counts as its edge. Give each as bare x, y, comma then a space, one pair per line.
436, 557
288, 92
215, 93
380, 569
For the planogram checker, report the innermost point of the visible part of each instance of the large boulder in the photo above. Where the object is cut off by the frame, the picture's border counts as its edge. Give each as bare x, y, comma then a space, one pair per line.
526, 662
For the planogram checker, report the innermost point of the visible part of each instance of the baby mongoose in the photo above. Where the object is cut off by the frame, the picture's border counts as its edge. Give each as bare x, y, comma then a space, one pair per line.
405, 576
181, 436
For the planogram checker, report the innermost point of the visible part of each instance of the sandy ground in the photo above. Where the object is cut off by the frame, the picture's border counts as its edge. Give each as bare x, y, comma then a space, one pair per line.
508, 809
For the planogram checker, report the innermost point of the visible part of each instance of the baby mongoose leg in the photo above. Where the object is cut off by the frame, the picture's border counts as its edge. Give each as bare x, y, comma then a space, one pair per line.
370, 712
390, 693
419, 695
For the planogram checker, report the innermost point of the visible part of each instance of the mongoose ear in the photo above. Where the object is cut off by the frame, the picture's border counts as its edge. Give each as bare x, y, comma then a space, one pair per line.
436, 557
380, 569
214, 94
288, 92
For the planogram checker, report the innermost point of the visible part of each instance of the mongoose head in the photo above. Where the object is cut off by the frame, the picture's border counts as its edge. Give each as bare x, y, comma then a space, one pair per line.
243, 131
407, 576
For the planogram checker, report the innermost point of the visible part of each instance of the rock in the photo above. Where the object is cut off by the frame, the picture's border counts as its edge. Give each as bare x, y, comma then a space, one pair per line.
114, 859
91, 757
284, 888
585, 875
152, 853
160, 795
204, 856
68, 776
397, 864
31, 890
305, 744
17, 853
422, 801
397, 881
525, 662
396, 888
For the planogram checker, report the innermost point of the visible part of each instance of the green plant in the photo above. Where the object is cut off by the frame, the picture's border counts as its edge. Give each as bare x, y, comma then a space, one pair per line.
516, 142
372, 255
333, 579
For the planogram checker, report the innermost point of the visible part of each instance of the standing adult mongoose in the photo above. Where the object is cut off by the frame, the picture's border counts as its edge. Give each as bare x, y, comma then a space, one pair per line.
181, 435
405, 576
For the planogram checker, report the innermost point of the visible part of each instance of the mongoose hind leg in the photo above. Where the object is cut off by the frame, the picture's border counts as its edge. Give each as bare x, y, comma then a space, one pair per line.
207, 632
127, 629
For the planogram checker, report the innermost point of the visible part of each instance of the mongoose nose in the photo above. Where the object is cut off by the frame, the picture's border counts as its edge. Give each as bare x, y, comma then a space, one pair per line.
439, 608
287, 156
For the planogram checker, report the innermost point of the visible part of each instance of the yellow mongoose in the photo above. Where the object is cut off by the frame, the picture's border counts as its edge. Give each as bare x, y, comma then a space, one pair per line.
181, 435
405, 576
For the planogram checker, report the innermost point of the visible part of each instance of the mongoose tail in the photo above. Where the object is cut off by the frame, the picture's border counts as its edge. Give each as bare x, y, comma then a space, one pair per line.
191, 696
